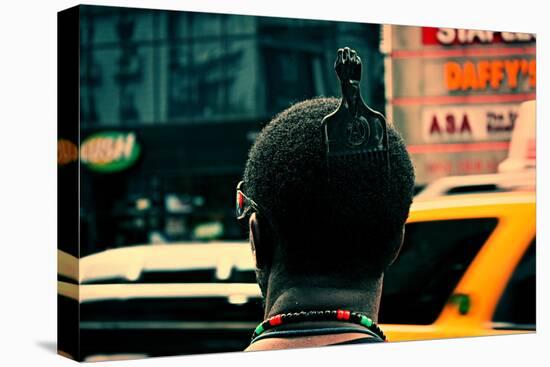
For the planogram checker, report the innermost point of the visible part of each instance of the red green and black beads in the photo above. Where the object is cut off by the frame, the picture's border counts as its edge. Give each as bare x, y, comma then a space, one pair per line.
328, 315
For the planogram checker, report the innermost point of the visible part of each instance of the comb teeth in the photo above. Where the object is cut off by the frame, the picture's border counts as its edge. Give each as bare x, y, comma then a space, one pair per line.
359, 155
378, 159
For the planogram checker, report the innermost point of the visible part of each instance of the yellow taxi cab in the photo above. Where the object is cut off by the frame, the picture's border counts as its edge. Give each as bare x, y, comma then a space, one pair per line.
467, 269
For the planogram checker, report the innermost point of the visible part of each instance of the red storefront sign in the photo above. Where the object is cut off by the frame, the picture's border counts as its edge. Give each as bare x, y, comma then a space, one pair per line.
451, 36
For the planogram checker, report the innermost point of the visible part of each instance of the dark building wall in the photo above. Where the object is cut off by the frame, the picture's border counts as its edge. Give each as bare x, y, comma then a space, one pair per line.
152, 67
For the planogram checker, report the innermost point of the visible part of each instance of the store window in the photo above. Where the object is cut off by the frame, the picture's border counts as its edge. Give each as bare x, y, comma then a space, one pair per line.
289, 77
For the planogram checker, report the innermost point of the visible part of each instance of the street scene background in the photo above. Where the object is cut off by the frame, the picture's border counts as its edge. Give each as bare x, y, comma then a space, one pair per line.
171, 102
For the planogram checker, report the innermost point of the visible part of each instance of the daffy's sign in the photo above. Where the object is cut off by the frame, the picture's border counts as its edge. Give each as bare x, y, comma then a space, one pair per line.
110, 151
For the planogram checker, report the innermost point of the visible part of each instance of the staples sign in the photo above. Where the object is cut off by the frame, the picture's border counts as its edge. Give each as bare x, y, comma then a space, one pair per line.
451, 36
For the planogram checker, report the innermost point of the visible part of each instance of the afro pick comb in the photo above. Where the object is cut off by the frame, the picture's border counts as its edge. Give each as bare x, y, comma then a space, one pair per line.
354, 132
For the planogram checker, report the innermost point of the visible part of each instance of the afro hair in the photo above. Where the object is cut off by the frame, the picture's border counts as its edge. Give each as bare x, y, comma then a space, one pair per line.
351, 224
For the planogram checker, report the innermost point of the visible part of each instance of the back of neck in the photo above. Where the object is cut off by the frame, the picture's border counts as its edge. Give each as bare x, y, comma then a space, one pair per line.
320, 294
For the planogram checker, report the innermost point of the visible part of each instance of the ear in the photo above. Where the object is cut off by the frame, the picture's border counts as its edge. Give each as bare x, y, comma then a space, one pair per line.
259, 250
401, 239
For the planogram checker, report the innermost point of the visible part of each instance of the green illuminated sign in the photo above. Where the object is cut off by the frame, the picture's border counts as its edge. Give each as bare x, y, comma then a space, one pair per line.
110, 151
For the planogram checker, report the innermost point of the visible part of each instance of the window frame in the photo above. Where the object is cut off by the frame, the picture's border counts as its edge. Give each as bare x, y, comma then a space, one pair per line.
487, 276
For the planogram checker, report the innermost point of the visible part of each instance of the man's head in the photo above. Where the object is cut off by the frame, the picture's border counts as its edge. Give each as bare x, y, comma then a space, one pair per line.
349, 228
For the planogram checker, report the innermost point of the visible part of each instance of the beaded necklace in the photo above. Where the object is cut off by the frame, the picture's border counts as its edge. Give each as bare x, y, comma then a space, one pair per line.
328, 315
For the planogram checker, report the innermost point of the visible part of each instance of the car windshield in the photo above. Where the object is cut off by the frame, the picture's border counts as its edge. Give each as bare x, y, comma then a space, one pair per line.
434, 257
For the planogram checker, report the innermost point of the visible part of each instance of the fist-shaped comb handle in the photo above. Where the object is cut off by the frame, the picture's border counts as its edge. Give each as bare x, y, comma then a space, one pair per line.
348, 70
348, 65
